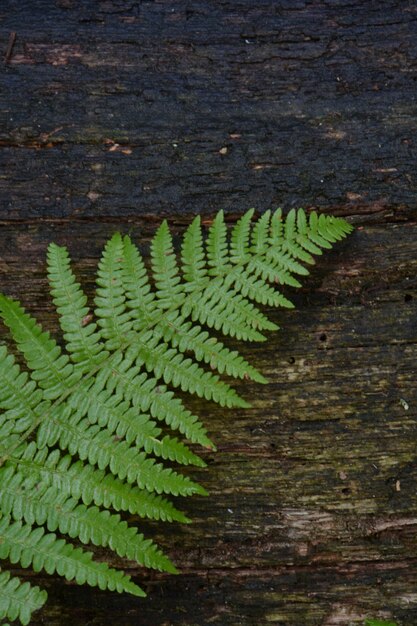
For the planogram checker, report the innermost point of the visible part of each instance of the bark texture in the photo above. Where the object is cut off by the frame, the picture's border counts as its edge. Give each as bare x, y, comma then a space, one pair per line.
116, 114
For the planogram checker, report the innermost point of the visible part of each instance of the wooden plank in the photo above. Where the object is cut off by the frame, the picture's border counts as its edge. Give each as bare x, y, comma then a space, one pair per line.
161, 107
116, 114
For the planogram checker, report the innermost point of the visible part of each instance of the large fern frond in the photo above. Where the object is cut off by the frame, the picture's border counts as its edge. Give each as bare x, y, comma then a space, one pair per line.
85, 427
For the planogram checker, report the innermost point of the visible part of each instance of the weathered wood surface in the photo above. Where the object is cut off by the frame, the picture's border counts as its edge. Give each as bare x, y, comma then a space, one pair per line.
115, 114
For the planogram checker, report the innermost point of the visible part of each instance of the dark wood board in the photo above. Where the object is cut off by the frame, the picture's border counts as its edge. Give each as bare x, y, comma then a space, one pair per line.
117, 114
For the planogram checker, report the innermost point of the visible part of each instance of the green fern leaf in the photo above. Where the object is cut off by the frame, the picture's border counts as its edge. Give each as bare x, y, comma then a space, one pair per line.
188, 337
52, 369
173, 368
260, 234
36, 503
100, 448
19, 600
81, 337
240, 237
110, 300
140, 298
165, 269
220, 308
146, 394
89, 484
193, 255
217, 247
83, 427
20, 543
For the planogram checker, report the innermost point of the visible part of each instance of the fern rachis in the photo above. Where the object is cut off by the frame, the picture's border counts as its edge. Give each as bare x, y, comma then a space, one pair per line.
83, 428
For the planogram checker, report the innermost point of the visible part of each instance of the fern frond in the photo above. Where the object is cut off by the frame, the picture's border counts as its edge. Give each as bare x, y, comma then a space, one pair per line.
239, 240
173, 368
217, 247
80, 333
257, 290
20, 543
104, 404
146, 394
193, 255
220, 308
21, 401
110, 413
165, 363
52, 369
260, 234
99, 447
165, 268
110, 300
89, 484
243, 310
80, 426
36, 503
24, 406
140, 298
19, 600
188, 337
183, 336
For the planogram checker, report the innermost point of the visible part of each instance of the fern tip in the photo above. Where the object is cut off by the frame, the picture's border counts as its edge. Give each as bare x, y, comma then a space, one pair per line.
171, 569
257, 377
135, 590
241, 403
54, 246
208, 443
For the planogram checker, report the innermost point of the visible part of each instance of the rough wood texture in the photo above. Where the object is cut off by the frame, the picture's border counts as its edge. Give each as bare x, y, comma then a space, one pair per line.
117, 113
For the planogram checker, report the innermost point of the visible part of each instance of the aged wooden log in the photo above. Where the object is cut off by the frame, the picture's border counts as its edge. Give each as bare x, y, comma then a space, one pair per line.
175, 106
115, 114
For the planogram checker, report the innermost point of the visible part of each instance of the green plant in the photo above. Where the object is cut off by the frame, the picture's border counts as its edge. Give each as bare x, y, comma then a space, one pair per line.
378, 622
80, 434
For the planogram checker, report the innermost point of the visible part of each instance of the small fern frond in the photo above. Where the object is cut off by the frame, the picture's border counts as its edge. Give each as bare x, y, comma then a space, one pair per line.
165, 268
85, 430
259, 291
88, 484
140, 298
188, 337
193, 255
20, 543
80, 334
220, 308
37, 503
113, 317
100, 448
51, 369
260, 234
173, 368
217, 246
147, 395
19, 600
239, 240
21, 401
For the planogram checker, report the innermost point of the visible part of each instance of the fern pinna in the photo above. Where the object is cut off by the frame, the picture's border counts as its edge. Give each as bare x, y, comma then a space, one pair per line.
83, 429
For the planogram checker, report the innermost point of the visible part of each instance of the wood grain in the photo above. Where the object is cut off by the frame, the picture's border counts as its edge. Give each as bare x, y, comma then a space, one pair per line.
117, 114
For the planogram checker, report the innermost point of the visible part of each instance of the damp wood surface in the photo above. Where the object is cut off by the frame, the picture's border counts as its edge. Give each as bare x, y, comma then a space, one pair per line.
115, 115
